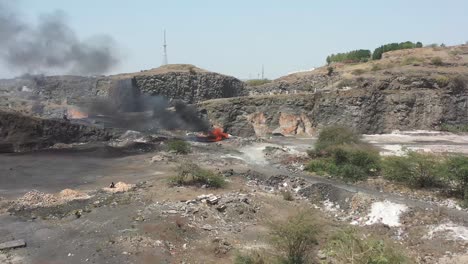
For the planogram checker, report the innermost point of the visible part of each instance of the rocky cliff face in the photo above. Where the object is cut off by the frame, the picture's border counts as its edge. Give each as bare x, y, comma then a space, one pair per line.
19, 132
49, 96
371, 106
191, 87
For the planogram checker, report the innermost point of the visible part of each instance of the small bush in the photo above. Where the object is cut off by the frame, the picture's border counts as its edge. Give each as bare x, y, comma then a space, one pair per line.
352, 173
415, 169
330, 70
412, 61
358, 71
322, 166
456, 169
335, 136
442, 81
437, 61
191, 174
178, 146
347, 246
340, 152
295, 238
288, 196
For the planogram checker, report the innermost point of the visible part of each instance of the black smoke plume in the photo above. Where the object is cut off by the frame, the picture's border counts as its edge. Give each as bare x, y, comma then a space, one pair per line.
125, 107
51, 45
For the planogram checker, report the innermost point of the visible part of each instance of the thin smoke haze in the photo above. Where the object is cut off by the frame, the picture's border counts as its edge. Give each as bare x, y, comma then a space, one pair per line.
51, 45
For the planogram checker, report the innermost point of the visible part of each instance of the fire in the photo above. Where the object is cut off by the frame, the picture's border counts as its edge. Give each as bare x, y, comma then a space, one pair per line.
74, 113
217, 134
214, 135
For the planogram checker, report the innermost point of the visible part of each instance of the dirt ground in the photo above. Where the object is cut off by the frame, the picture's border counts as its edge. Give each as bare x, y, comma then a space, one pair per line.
147, 220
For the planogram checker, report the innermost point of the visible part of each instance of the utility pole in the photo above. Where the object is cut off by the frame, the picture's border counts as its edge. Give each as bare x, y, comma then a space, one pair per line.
165, 50
263, 73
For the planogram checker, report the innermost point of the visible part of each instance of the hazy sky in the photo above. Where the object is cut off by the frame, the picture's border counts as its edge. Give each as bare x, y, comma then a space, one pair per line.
237, 37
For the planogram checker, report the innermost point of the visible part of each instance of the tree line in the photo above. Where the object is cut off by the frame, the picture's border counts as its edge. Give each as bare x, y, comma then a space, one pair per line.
363, 55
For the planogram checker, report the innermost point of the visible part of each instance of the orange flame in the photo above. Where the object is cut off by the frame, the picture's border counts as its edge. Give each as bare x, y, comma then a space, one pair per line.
76, 114
215, 135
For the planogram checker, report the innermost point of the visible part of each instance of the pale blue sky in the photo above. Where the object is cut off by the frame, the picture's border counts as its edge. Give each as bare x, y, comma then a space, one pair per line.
237, 37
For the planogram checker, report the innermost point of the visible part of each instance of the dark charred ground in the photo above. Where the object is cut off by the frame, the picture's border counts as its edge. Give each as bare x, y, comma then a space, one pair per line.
154, 223
51, 170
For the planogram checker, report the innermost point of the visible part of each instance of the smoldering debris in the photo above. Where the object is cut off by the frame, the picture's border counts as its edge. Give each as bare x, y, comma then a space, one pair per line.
51, 45
127, 108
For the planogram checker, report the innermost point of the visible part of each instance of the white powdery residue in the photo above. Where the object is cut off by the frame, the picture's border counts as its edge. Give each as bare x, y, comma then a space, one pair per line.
449, 231
330, 206
386, 212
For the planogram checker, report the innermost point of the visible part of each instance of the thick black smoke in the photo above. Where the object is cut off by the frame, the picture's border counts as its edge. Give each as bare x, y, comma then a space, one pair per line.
51, 45
126, 108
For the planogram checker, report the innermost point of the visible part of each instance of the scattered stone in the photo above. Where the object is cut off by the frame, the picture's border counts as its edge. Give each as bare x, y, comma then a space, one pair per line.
207, 227
212, 200
13, 244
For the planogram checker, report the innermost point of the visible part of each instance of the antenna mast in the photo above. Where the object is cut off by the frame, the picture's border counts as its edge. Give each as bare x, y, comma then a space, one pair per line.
165, 50
263, 73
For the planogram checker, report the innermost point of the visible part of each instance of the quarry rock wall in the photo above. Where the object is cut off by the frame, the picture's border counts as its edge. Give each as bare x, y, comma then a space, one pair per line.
21, 133
190, 87
379, 107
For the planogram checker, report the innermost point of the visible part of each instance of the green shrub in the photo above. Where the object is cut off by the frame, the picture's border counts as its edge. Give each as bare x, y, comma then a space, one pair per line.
352, 173
178, 146
257, 82
340, 152
191, 174
210, 178
335, 136
415, 169
437, 61
355, 162
346, 246
456, 169
321, 166
330, 70
295, 238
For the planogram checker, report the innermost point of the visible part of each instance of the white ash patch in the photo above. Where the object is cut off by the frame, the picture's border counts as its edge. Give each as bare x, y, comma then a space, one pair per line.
120, 187
330, 206
449, 231
386, 212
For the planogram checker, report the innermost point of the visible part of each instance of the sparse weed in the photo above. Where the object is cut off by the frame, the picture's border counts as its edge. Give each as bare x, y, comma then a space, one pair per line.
442, 81
191, 174
178, 146
347, 246
295, 238
437, 61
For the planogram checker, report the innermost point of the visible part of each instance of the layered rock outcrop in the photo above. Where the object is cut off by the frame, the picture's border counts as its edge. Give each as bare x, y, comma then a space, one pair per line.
373, 106
49, 96
19, 132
